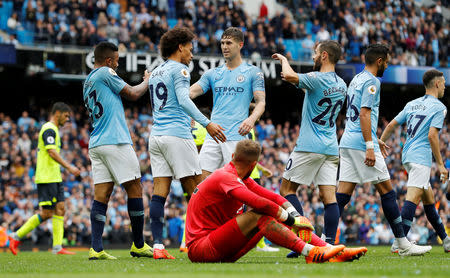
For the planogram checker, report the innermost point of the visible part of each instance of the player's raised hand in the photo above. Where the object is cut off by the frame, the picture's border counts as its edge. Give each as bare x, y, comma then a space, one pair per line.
74, 170
216, 132
370, 158
246, 126
383, 148
279, 57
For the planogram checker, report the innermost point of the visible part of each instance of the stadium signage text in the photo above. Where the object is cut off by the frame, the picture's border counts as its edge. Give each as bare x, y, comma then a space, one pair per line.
135, 62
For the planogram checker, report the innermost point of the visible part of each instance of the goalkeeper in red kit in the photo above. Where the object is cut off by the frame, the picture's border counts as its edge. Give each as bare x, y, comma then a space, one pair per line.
216, 233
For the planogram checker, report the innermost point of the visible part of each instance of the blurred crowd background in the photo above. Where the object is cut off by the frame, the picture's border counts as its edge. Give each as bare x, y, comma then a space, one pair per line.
363, 220
417, 33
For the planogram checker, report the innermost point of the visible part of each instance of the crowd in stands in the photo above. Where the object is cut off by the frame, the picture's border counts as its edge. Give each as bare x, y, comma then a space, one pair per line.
417, 35
363, 221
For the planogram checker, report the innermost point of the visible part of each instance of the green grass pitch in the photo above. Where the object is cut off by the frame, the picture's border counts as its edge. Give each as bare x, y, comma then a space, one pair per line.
378, 262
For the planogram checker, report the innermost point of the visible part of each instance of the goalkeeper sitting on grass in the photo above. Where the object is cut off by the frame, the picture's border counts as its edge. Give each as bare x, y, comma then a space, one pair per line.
214, 233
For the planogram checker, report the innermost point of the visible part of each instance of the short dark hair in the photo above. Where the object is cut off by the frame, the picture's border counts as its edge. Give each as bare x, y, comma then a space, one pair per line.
173, 38
103, 51
234, 33
376, 51
333, 48
429, 75
61, 107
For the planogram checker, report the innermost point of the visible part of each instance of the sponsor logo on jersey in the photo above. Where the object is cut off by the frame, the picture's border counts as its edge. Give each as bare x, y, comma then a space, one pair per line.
311, 74
229, 89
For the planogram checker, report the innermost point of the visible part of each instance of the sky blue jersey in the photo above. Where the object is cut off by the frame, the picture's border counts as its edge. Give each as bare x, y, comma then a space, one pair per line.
172, 108
232, 93
324, 98
363, 91
101, 97
420, 114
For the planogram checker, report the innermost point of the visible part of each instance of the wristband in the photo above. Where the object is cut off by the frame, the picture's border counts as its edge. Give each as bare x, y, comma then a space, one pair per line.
369, 145
284, 215
290, 221
292, 211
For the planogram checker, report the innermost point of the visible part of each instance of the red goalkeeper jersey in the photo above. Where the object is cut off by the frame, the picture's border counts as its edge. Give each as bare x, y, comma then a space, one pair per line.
218, 198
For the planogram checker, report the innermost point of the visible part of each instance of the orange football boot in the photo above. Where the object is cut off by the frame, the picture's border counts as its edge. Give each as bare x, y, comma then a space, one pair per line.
349, 255
323, 254
162, 254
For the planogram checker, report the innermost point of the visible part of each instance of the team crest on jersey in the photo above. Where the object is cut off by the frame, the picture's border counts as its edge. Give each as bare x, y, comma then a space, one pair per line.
240, 78
50, 140
113, 72
185, 73
372, 89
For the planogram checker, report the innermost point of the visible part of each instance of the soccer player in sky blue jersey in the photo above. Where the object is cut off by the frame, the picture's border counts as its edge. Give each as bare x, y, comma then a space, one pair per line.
233, 86
424, 117
112, 156
362, 154
315, 157
173, 153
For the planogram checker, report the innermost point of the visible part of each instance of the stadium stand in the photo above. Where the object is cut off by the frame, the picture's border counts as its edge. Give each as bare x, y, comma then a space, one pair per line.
417, 31
363, 221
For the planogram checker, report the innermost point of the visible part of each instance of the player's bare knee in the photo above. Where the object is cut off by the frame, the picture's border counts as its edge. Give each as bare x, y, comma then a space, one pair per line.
133, 188
383, 187
288, 187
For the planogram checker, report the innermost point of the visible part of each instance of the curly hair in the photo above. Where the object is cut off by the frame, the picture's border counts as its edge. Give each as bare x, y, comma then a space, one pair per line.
173, 38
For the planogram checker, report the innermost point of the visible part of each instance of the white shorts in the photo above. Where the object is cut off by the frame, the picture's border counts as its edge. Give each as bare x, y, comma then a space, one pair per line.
307, 168
114, 163
215, 155
172, 156
418, 175
353, 169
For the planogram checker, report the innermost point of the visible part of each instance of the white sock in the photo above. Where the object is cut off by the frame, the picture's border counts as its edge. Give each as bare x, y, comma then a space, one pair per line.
306, 249
403, 242
158, 246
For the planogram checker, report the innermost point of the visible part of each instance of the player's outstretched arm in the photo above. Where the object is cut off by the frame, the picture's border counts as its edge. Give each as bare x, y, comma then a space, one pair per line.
433, 137
133, 93
57, 157
287, 73
260, 105
195, 91
365, 123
